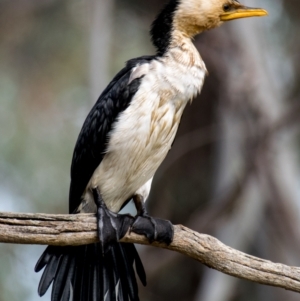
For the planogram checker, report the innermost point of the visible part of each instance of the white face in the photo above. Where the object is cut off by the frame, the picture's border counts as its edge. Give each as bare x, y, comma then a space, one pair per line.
210, 5
195, 16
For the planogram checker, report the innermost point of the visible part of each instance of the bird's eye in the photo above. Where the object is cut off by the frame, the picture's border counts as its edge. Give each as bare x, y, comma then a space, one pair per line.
226, 7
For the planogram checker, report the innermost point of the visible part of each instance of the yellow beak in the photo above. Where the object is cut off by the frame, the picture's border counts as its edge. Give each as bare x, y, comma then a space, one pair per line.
243, 12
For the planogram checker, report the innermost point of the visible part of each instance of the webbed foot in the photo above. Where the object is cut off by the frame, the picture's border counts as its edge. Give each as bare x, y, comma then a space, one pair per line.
110, 225
153, 228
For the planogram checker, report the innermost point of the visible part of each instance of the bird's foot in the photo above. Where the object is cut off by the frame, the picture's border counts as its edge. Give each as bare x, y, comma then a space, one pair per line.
145, 225
110, 225
153, 228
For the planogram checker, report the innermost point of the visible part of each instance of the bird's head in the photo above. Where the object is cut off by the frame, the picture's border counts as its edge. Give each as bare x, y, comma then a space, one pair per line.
191, 17
194, 16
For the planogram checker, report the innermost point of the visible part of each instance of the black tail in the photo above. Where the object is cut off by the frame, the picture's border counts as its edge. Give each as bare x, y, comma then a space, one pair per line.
81, 273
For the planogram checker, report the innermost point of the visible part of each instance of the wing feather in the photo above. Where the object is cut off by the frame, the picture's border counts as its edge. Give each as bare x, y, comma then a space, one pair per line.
93, 138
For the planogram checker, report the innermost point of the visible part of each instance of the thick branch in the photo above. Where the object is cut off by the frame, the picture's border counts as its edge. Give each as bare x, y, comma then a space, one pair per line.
81, 229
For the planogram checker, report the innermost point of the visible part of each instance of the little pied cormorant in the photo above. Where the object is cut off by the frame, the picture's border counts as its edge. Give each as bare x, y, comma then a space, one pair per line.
124, 139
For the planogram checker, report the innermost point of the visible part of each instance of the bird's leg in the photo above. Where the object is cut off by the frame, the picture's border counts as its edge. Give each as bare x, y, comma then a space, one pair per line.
142, 213
110, 225
153, 228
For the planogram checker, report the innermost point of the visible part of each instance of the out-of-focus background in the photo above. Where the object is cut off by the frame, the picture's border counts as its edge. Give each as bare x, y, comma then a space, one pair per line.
233, 172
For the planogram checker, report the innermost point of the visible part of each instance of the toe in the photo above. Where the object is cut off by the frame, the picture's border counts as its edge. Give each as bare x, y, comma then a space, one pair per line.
144, 226
154, 229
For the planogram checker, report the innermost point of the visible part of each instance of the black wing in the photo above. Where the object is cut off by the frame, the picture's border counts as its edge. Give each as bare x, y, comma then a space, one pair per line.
92, 140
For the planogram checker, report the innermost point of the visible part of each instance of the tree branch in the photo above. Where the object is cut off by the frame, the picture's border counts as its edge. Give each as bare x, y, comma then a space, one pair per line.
49, 229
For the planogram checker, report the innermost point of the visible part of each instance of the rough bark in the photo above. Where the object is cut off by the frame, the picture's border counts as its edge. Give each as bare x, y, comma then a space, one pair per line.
81, 229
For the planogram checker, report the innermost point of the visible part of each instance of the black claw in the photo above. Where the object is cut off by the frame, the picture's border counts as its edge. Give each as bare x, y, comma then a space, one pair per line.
107, 230
162, 232
111, 226
153, 228
147, 224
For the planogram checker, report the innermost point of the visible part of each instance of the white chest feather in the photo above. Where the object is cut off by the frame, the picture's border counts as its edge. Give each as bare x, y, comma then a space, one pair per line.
144, 132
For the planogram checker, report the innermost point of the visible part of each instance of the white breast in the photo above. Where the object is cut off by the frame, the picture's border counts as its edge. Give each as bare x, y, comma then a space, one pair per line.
144, 132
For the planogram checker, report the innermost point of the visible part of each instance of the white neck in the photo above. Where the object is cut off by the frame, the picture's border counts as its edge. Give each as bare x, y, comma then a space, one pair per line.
183, 51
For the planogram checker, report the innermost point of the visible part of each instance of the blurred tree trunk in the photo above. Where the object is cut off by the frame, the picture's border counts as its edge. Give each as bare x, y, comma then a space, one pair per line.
255, 176
253, 106
101, 16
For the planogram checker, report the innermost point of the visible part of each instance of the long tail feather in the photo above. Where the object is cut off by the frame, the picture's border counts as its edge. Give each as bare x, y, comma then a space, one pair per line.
49, 274
132, 252
128, 269
79, 267
57, 286
68, 290
82, 273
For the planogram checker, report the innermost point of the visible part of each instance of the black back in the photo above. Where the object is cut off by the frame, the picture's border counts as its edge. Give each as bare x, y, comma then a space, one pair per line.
93, 138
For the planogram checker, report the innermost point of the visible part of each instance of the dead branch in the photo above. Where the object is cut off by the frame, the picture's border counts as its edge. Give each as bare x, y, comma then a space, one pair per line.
49, 229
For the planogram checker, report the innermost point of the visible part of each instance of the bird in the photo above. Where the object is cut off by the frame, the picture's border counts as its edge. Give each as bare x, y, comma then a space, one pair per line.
123, 140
